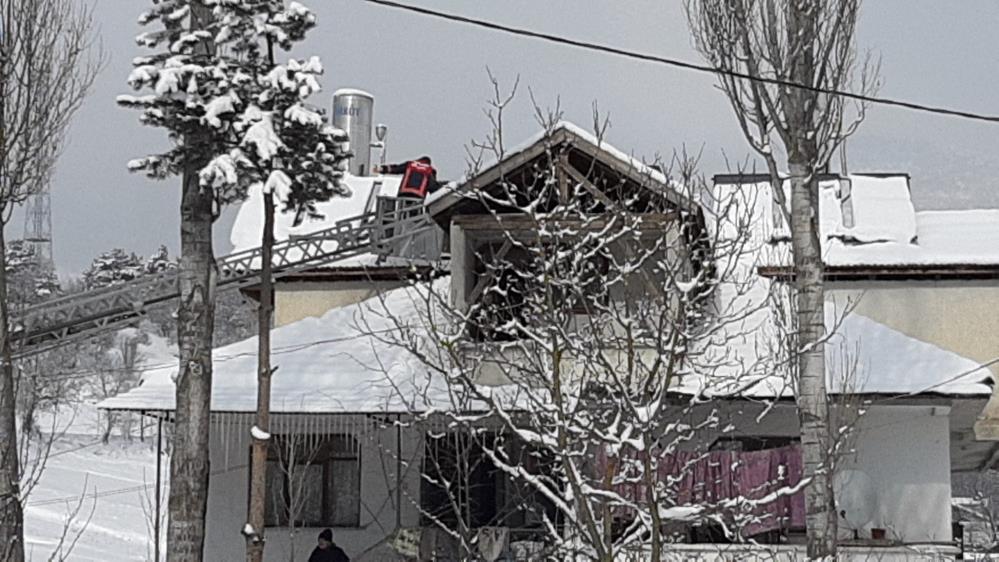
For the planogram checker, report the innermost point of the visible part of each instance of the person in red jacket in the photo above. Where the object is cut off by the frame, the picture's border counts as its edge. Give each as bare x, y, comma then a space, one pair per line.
418, 176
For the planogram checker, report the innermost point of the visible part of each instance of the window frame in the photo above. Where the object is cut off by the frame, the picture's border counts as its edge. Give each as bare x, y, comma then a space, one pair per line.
327, 456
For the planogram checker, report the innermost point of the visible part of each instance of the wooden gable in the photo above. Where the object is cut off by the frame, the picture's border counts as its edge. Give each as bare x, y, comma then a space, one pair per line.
607, 177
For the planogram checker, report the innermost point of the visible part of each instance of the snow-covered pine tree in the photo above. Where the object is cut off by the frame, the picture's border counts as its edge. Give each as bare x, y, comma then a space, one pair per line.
239, 122
113, 267
20, 256
281, 146
180, 77
159, 262
279, 143
29, 281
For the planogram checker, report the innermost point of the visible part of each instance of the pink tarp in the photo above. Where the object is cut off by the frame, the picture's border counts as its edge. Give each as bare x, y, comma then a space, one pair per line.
751, 490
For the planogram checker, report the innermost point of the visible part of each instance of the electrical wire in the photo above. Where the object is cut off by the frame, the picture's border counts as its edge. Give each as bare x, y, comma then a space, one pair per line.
939, 384
677, 63
116, 491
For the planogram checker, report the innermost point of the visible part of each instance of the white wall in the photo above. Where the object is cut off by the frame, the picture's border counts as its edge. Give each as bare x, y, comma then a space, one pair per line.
229, 488
906, 452
904, 449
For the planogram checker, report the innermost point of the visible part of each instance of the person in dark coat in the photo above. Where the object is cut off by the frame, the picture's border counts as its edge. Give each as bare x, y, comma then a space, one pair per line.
327, 550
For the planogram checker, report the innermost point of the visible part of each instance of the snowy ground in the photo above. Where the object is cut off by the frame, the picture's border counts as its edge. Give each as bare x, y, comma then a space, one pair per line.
118, 480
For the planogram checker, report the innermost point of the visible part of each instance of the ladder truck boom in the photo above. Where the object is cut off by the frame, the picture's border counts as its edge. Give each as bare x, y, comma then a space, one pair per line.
81, 316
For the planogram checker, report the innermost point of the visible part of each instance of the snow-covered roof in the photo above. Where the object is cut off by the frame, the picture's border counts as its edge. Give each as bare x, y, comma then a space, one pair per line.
649, 175
333, 364
863, 356
639, 166
942, 238
886, 230
247, 228
886, 361
324, 365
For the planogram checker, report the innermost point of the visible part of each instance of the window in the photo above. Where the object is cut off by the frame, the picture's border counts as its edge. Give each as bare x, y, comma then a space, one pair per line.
460, 480
313, 481
511, 283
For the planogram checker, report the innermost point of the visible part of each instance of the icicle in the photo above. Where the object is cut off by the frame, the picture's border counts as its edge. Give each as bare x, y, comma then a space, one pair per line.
226, 423
361, 430
310, 431
231, 442
357, 428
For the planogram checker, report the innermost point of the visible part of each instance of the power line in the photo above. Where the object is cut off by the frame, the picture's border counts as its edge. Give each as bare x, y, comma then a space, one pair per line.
703, 68
939, 384
95, 495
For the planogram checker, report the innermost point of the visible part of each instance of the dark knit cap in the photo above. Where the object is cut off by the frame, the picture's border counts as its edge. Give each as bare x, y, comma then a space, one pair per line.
327, 534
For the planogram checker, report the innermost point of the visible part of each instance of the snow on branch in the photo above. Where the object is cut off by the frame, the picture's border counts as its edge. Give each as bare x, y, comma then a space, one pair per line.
229, 106
259, 434
583, 348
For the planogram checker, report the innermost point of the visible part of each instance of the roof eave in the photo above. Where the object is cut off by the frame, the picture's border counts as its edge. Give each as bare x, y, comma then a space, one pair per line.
438, 209
901, 272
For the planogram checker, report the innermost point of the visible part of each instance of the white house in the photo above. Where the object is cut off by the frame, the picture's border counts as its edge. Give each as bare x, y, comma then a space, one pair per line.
919, 327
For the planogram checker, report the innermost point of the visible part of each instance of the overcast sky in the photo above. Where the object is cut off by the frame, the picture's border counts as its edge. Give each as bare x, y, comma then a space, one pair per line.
430, 84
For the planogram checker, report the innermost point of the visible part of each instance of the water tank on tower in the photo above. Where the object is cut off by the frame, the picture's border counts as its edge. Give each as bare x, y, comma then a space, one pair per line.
352, 112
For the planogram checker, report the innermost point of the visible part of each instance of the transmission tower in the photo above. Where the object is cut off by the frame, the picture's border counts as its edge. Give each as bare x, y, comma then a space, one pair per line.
38, 227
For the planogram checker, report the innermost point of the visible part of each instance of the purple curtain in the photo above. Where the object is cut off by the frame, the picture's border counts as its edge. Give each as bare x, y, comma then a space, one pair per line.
746, 489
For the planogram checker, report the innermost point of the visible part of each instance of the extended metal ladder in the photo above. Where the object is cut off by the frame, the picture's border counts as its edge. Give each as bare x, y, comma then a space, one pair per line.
78, 317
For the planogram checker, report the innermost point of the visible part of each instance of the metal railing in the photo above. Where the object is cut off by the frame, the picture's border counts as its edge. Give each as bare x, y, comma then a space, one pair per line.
81, 316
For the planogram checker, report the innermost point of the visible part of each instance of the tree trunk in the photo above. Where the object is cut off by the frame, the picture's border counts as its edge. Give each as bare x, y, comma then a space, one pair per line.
189, 464
813, 408
812, 404
258, 468
11, 515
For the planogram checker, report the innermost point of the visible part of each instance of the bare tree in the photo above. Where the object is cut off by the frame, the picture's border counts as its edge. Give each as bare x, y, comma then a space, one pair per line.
294, 453
47, 64
30, 281
115, 361
154, 519
584, 345
805, 48
74, 526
